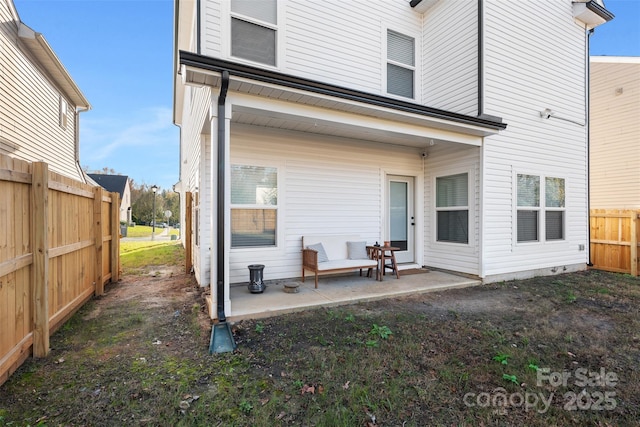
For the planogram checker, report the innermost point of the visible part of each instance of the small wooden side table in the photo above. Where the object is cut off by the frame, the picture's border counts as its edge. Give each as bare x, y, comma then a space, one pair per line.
382, 254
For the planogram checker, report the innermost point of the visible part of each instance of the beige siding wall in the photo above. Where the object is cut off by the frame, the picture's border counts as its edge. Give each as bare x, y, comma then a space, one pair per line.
29, 106
615, 133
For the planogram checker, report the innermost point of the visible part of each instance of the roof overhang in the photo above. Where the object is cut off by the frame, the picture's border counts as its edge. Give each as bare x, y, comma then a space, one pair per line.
422, 6
250, 83
184, 22
591, 13
38, 46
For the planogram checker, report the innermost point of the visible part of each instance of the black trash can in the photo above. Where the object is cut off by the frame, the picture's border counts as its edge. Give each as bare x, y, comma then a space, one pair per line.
256, 284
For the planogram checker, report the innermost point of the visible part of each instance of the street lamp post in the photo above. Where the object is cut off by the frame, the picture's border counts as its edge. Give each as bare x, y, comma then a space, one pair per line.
154, 188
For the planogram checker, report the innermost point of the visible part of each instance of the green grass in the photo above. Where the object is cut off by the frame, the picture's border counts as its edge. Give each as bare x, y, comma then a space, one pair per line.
137, 257
142, 231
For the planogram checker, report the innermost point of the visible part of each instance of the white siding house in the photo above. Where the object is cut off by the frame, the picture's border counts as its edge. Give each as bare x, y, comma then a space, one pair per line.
420, 122
39, 102
615, 132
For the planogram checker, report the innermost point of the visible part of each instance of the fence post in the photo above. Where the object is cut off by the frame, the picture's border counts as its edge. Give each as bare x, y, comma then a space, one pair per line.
115, 237
634, 244
40, 248
97, 226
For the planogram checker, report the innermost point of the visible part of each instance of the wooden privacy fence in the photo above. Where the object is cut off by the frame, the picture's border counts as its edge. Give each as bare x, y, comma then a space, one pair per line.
614, 240
59, 245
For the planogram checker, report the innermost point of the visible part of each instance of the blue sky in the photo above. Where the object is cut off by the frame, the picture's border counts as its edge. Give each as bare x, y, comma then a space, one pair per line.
119, 52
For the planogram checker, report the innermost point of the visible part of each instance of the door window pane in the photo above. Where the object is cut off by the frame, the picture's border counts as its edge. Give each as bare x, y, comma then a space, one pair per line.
398, 206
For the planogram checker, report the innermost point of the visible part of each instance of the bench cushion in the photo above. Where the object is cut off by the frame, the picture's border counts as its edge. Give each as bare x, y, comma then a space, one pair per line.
346, 264
322, 255
357, 250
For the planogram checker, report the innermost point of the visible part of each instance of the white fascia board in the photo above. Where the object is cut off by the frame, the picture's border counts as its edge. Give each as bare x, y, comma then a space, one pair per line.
38, 45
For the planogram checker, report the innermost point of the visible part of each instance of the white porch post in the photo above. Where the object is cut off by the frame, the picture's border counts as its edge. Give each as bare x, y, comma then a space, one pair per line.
213, 208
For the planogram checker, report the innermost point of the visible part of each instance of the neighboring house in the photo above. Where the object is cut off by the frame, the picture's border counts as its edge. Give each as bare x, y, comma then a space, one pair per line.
615, 132
432, 124
117, 184
39, 102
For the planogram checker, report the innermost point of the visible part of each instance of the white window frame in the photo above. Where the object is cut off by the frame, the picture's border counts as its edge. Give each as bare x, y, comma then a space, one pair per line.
470, 207
417, 90
542, 209
277, 207
226, 30
63, 111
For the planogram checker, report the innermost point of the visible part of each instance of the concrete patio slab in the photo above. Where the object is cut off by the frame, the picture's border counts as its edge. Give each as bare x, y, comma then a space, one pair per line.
336, 290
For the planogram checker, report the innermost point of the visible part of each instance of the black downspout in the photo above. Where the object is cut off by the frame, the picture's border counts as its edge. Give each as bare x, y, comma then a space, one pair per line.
221, 190
587, 124
480, 58
198, 50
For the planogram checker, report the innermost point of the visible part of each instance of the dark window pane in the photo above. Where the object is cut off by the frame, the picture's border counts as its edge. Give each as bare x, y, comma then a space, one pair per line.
399, 81
527, 226
253, 227
555, 225
453, 226
253, 42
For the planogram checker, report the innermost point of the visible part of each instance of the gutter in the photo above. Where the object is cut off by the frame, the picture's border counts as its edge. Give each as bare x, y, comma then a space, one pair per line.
221, 193
76, 142
587, 85
281, 79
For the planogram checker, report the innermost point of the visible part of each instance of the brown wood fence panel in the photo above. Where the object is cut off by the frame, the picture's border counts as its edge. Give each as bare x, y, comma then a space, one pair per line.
48, 255
614, 240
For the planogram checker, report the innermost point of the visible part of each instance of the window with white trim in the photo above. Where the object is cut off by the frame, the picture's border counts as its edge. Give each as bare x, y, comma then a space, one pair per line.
401, 53
540, 206
254, 206
254, 30
62, 112
452, 208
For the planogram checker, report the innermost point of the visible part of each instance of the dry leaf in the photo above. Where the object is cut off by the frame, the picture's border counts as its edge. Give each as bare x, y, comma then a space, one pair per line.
320, 389
346, 385
280, 415
264, 401
308, 389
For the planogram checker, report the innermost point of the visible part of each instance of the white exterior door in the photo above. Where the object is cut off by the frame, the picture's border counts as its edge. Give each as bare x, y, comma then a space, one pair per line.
401, 216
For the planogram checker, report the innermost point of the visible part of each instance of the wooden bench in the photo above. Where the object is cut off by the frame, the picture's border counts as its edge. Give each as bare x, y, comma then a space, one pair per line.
343, 253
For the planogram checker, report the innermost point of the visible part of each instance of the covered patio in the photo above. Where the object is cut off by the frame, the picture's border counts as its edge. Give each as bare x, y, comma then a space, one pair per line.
337, 290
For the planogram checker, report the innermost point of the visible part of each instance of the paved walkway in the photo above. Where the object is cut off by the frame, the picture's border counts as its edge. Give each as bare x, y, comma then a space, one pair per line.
163, 236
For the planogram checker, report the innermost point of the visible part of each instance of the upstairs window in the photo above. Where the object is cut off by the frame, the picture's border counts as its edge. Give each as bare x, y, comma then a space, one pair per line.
254, 206
401, 52
62, 112
541, 206
253, 30
452, 208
